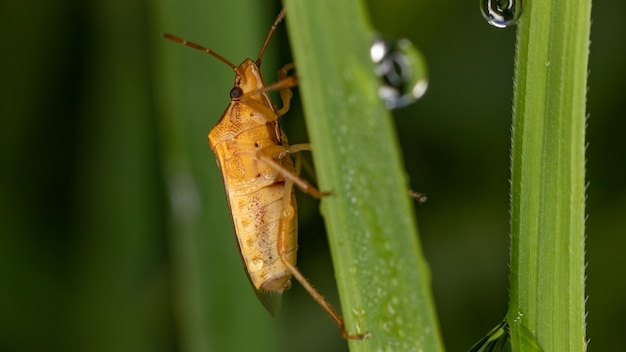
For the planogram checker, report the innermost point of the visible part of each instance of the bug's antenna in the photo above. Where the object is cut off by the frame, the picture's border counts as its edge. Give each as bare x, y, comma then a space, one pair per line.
279, 18
199, 47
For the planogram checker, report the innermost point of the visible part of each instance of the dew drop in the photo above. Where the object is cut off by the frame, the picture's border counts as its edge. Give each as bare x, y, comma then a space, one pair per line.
402, 70
358, 312
386, 326
427, 330
501, 13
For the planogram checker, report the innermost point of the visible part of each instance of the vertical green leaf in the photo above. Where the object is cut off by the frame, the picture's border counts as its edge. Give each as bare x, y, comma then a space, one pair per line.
383, 280
548, 176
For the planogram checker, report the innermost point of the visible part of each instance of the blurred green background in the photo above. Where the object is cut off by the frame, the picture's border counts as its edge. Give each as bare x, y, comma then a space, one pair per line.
114, 231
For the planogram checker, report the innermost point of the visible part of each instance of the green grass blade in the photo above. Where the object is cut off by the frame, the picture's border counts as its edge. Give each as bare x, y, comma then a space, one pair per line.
383, 280
547, 298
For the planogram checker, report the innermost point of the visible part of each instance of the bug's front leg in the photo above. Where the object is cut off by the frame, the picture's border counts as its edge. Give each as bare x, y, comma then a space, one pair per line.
285, 91
283, 85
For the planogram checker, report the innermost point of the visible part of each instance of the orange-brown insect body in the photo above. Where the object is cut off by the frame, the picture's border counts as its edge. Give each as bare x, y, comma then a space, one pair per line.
259, 175
255, 190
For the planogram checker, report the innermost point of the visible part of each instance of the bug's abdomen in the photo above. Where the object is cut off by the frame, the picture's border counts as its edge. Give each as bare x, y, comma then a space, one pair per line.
257, 217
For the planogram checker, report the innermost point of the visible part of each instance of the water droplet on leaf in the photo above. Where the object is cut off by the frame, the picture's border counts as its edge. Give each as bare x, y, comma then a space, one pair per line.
501, 13
402, 69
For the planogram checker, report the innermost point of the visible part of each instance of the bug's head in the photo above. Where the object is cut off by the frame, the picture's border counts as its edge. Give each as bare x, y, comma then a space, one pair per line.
248, 79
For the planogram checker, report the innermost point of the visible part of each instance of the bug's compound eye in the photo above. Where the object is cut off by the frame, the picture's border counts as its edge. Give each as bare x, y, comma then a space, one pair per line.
401, 69
236, 92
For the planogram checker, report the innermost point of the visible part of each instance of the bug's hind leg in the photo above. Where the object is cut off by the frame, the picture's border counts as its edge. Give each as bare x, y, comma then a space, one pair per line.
283, 248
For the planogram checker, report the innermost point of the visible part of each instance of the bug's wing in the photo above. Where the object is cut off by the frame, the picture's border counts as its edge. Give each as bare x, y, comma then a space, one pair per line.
272, 301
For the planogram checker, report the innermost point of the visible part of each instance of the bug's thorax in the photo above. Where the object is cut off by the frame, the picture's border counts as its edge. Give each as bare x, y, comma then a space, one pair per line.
251, 116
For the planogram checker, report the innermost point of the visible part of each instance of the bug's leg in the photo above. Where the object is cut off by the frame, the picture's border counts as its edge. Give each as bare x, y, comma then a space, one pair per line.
285, 92
419, 197
283, 85
293, 149
283, 248
269, 155
300, 163
296, 148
